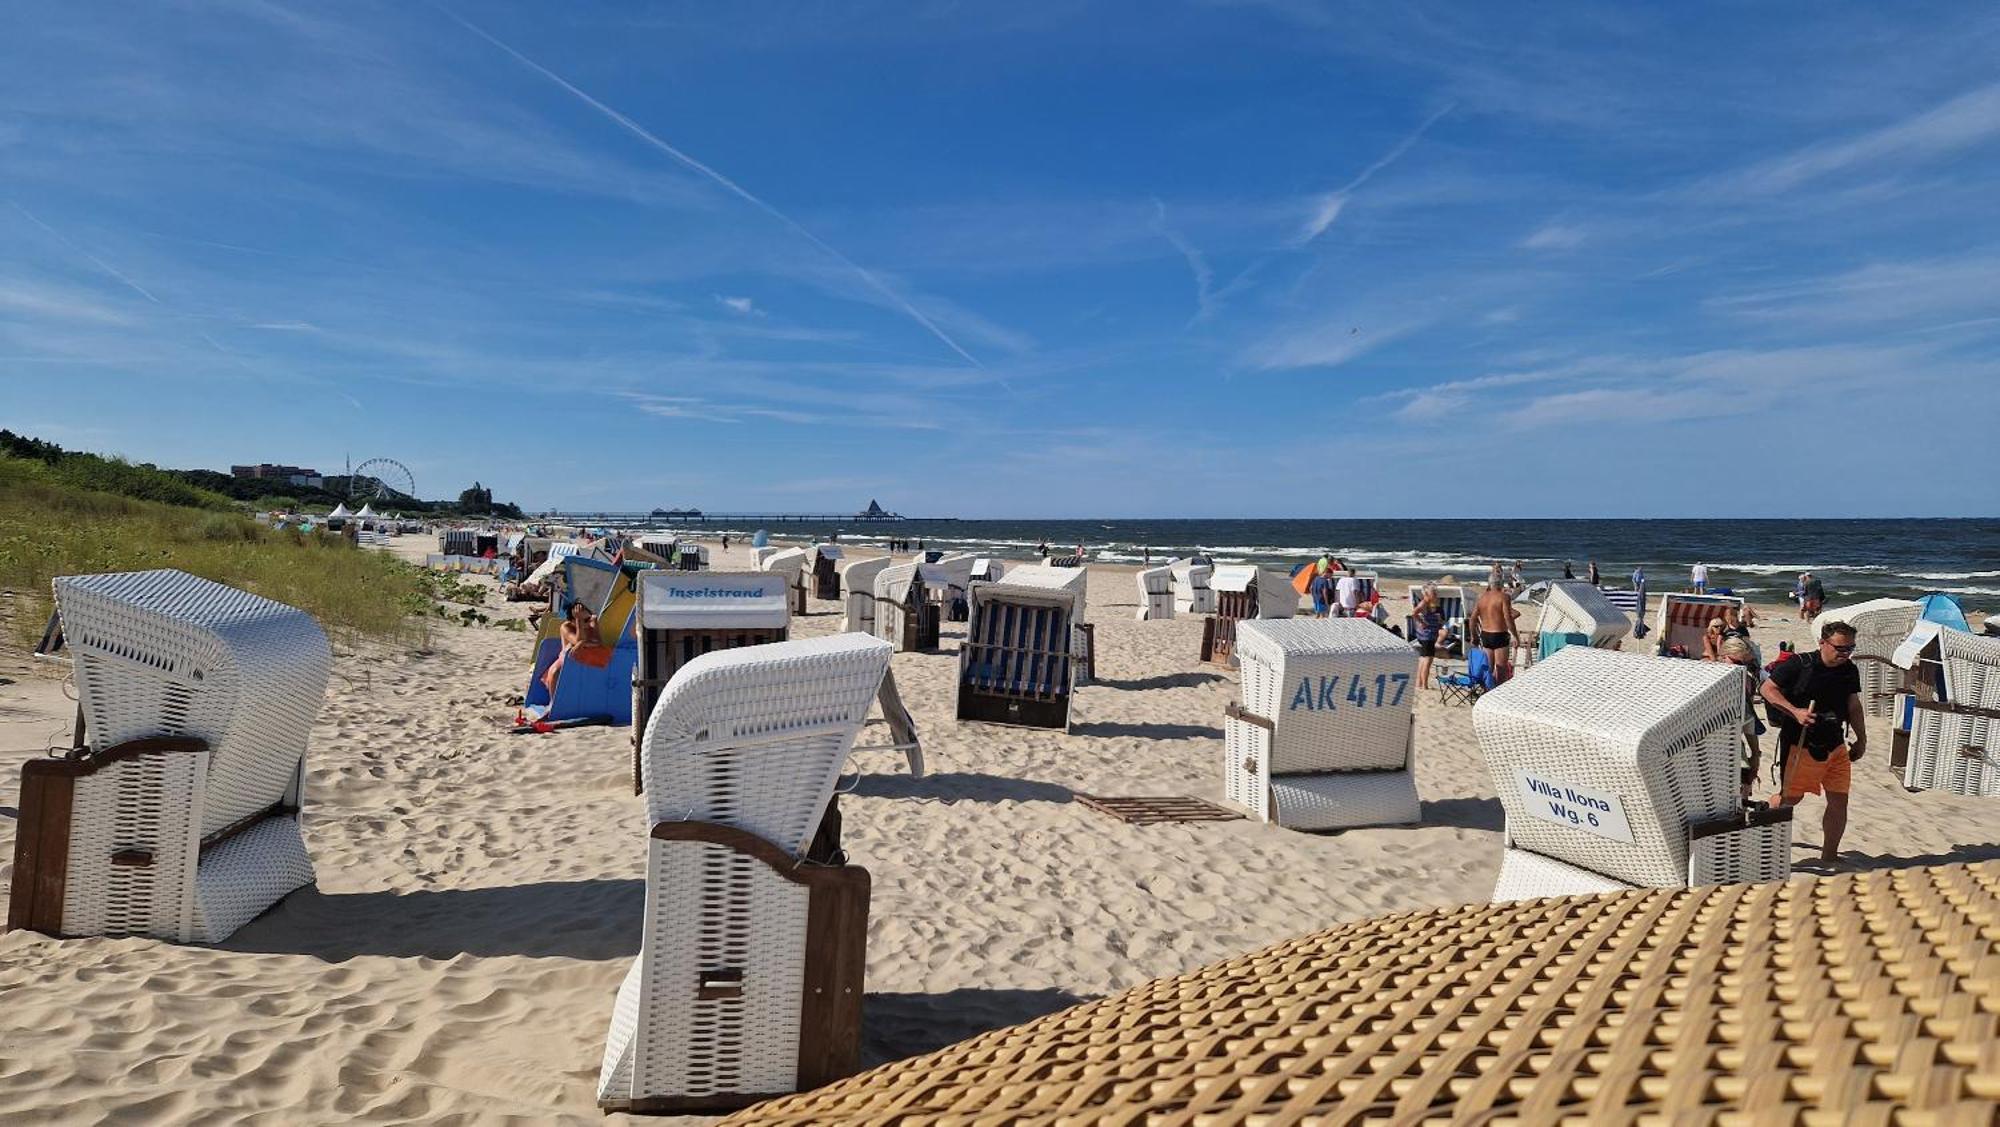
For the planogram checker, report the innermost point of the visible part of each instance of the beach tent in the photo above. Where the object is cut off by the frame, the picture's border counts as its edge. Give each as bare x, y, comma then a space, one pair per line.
584, 688
760, 539
1945, 611
366, 513
340, 512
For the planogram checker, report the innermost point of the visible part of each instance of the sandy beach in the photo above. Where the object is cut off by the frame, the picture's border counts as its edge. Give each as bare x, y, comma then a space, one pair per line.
479, 893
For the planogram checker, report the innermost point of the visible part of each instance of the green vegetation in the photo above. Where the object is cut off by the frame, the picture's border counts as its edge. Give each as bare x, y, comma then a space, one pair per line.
110, 475
52, 524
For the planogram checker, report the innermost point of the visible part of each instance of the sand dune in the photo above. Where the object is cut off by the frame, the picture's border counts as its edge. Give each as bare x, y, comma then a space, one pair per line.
479, 892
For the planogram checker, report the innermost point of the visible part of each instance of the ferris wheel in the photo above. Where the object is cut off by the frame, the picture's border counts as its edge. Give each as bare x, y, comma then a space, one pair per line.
381, 478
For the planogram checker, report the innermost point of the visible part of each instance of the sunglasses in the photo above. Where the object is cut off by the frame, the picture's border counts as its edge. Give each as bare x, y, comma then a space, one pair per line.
1843, 649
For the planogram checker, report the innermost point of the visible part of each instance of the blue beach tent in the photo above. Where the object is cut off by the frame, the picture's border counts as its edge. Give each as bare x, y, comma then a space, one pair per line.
1945, 611
584, 690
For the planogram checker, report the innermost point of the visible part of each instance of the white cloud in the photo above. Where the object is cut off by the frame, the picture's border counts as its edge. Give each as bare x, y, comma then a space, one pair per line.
1204, 276
1327, 208
739, 305
1554, 236
1962, 122
38, 300
1327, 345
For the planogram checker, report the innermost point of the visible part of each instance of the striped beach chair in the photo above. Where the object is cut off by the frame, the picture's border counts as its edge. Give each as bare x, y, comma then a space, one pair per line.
1021, 660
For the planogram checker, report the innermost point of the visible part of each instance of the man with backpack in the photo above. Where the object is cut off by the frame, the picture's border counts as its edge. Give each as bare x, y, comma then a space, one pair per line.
1814, 698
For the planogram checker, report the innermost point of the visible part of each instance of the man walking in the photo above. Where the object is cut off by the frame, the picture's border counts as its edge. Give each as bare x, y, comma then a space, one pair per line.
1815, 698
1493, 616
1347, 589
1700, 578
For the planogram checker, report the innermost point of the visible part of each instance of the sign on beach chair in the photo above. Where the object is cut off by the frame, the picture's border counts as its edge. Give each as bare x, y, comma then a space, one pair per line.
1621, 771
752, 959
176, 813
1020, 663
1324, 737
683, 615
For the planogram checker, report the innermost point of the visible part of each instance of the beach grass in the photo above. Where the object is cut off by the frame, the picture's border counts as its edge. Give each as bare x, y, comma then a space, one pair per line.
50, 527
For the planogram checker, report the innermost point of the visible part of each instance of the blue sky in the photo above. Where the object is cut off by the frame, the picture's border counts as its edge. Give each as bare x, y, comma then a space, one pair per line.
1152, 259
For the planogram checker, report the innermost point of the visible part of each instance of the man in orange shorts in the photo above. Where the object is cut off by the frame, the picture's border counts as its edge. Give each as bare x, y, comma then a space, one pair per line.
1815, 698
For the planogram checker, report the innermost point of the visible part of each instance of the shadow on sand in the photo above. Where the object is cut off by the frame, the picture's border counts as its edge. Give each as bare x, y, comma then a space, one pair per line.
583, 919
1162, 681
1465, 813
1148, 731
960, 786
894, 1026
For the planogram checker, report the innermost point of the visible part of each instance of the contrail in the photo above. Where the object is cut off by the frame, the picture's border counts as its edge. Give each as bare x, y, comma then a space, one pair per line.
1332, 202
94, 260
641, 132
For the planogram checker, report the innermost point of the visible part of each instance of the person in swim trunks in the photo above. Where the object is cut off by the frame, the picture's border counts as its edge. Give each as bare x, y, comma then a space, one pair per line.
1493, 617
1815, 697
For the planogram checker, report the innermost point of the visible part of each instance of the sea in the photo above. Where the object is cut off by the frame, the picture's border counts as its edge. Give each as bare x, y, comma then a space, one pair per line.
1758, 559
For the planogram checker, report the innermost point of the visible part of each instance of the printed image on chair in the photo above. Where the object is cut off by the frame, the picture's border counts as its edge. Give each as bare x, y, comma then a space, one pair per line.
589, 682
1324, 736
824, 566
1020, 663
905, 616
857, 578
750, 972
176, 815
1577, 614
1683, 619
1156, 593
1192, 591
1621, 771
1948, 716
682, 616
1880, 625
1243, 592
1466, 685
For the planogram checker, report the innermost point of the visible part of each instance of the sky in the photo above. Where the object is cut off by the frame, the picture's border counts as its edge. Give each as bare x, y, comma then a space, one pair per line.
1280, 258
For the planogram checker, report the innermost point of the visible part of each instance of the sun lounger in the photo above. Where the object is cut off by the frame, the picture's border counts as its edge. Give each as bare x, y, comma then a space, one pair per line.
1880, 625
177, 814
1156, 592
750, 970
1021, 660
1323, 738
1948, 715
1624, 768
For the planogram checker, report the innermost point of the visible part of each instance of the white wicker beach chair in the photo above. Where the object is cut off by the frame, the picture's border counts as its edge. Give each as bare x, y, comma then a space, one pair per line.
1880, 625
1024, 648
1156, 592
759, 555
1948, 716
178, 814
1192, 591
857, 579
1324, 736
1243, 592
791, 563
1682, 619
1579, 608
749, 977
823, 564
1621, 770
905, 617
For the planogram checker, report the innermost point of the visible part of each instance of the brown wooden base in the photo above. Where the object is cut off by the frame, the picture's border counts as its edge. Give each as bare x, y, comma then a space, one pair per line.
988, 707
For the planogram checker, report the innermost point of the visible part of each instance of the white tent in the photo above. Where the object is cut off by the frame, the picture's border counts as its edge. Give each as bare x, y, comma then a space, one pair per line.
366, 512
339, 512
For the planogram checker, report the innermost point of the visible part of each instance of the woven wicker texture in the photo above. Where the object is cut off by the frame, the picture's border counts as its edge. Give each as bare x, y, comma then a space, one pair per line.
892, 586
858, 580
1192, 593
755, 737
1656, 738
1957, 752
1880, 626
1579, 608
1865, 999
1156, 592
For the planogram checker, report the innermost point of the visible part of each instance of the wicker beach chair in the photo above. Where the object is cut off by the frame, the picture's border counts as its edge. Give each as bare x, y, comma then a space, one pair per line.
1156, 592
1324, 736
1575, 612
857, 578
905, 616
1684, 618
1948, 715
1880, 625
177, 814
1192, 591
1024, 648
1619, 770
791, 563
749, 977
683, 615
824, 566
1243, 591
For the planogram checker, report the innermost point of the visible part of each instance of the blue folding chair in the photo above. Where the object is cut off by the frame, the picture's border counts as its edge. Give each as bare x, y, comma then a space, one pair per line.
1464, 688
